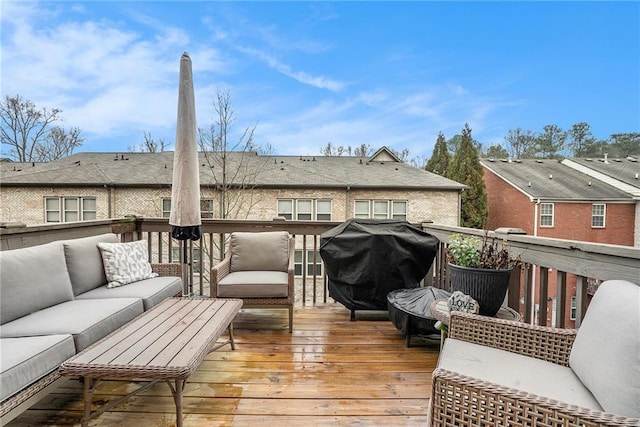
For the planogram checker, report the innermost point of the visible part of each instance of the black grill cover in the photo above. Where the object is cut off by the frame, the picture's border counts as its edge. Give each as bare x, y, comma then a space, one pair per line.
366, 259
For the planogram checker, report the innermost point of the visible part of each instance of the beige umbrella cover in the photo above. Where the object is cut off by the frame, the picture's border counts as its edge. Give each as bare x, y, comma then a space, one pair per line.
185, 188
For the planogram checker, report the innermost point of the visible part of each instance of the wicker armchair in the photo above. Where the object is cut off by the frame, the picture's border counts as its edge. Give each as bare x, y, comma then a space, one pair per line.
259, 269
465, 397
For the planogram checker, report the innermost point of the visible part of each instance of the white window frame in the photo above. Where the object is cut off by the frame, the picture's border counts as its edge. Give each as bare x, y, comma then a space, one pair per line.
359, 209
574, 308
599, 215
204, 213
380, 209
393, 209
299, 267
284, 211
310, 263
304, 209
69, 208
166, 207
544, 215
323, 209
206, 208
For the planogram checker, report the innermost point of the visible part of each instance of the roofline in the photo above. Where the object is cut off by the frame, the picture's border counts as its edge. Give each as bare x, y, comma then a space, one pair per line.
588, 200
607, 179
521, 190
267, 186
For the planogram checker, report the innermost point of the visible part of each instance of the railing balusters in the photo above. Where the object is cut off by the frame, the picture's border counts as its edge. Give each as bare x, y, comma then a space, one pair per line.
543, 286
569, 258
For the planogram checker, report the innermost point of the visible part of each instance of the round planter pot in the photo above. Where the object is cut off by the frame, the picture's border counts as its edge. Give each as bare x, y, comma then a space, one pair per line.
486, 286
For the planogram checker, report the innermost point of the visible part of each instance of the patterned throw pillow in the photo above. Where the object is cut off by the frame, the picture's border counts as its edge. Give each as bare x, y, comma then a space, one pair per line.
125, 262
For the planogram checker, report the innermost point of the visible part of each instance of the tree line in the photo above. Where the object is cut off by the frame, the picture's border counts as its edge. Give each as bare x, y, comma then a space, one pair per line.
555, 142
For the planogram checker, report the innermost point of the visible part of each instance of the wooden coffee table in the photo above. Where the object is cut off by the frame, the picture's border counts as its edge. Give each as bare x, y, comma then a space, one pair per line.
166, 343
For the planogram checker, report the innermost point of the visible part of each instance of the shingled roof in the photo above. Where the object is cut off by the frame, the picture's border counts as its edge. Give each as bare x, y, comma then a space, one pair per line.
155, 169
552, 180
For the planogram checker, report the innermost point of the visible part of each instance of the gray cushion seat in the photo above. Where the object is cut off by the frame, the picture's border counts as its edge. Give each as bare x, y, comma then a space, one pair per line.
27, 359
152, 291
87, 320
523, 373
254, 284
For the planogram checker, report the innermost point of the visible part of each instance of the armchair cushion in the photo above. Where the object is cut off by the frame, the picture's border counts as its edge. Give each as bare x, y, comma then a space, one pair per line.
606, 352
265, 251
254, 284
515, 371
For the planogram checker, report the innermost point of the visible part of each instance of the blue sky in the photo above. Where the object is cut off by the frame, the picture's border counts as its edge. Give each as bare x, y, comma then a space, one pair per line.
307, 73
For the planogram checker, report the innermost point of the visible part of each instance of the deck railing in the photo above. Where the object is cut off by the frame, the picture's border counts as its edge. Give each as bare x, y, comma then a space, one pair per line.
543, 258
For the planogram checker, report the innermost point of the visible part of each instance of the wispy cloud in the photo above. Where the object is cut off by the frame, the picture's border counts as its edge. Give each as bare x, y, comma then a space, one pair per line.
320, 82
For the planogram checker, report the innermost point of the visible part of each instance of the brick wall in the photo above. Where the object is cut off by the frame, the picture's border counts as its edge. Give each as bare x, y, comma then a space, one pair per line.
27, 204
509, 207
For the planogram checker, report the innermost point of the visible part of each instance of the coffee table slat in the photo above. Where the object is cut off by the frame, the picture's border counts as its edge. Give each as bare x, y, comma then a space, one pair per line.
158, 342
214, 327
105, 351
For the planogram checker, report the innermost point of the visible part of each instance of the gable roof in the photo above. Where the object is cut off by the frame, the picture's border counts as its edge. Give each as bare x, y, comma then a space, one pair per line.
384, 155
623, 174
550, 180
155, 169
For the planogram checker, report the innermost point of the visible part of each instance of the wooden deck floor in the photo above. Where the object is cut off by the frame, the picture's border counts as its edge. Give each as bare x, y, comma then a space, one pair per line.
329, 371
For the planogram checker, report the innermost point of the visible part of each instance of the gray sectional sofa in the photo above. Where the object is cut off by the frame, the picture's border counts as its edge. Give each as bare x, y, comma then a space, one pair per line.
54, 302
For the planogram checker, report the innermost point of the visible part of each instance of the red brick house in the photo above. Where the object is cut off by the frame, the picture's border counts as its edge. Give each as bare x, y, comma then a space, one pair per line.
575, 199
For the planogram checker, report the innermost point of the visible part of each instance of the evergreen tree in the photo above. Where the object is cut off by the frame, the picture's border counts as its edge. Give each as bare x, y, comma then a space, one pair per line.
466, 169
496, 151
439, 161
582, 140
551, 142
625, 144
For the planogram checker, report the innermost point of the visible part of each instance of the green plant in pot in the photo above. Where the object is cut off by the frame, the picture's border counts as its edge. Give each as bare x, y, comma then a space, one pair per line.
480, 268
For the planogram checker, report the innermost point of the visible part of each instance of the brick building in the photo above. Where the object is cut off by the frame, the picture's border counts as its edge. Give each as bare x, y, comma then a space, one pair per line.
88, 186
575, 199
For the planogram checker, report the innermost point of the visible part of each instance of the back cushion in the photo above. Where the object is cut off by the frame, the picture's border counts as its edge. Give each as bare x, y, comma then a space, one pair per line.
32, 279
84, 262
267, 251
606, 352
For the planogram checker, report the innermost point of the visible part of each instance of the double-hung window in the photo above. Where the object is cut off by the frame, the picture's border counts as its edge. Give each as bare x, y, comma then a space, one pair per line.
380, 209
285, 208
546, 215
206, 208
67, 209
598, 212
310, 262
304, 209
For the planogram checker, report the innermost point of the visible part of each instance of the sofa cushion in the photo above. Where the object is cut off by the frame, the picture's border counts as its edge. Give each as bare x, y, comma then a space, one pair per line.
268, 251
606, 352
87, 320
84, 261
152, 291
25, 360
125, 263
516, 371
32, 279
254, 284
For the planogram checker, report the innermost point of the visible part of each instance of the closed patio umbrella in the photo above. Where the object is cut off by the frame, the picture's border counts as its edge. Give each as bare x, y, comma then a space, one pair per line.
185, 187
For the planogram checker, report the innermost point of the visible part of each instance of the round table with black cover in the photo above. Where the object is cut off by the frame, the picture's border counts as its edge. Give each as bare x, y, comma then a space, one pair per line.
409, 310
